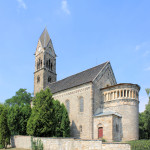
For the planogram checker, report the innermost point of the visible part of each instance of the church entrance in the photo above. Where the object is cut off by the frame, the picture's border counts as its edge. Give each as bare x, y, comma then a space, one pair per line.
100, 132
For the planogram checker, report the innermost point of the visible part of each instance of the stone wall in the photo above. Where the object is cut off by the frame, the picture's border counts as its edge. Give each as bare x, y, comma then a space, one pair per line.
106, 122
123, 99
21, 142
116, 146
81, 122
67, 144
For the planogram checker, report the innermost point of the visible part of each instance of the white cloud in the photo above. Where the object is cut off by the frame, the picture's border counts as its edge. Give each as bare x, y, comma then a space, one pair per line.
64, 7
141, 46
22, 4
137, 47
146, 53
147, 69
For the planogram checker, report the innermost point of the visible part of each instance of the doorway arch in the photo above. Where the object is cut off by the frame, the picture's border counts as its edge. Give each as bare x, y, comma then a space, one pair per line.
100, 132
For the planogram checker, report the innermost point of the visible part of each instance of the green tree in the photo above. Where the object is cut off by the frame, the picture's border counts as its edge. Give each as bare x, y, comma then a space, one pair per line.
4, 130
147, 120
13, 119
48, 117
65, 123
142, 130
58, 118
25, 112
148, 93
41, 121
18, 117
144, 120
22, 96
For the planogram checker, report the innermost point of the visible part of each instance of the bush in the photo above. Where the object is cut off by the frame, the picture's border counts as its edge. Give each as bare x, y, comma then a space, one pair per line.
4, 130
103, 140
36, 144
140, 145
1, 146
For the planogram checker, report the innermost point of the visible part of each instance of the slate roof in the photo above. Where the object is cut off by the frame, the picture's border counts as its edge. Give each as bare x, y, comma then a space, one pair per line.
107, 114
44, 38
77, 79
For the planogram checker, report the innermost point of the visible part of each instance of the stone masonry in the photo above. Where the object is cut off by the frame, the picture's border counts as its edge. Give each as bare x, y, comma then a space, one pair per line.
98, 107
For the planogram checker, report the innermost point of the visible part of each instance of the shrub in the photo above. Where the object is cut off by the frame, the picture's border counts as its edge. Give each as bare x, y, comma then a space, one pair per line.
103, 140
36, 144
140, 145
4, 130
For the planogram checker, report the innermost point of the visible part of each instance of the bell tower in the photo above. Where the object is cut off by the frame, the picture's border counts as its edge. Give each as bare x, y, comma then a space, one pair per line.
45, 63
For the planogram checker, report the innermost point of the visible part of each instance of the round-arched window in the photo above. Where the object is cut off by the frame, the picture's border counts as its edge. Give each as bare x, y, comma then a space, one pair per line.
81, 103
38, 79
49, 79
67, 105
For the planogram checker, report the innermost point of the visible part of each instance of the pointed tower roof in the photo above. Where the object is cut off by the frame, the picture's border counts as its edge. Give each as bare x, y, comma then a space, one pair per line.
45, 38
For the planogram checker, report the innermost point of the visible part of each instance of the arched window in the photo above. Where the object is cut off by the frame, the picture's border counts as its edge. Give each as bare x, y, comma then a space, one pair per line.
46, 63
81, 104
68, 106
51, 66
38, 79
49, 79
121, 93
41, 63
117, 128
118, 94
137, 95
127, 93
124, 93
49, 62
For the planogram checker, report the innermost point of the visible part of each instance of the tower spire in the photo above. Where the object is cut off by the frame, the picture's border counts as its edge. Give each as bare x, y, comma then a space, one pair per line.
45, 63
45, 38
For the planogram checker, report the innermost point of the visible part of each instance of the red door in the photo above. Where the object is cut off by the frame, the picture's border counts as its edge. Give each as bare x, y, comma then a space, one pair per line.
100, 132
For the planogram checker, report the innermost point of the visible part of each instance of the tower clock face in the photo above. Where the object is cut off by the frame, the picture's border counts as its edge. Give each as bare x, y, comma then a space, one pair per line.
39, 49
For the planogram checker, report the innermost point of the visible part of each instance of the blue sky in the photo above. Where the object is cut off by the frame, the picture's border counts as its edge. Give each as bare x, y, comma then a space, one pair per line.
85, 33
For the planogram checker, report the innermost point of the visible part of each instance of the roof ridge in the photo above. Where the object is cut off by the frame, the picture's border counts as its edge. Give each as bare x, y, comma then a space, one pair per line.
101, 69
78, 73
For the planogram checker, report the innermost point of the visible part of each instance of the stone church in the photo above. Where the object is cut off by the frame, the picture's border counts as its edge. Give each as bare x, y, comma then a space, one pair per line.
98, 107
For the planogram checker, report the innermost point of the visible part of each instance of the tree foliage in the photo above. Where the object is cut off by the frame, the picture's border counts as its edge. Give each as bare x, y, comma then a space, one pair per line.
4, 129
22, 96
144, 120
19, 111
17, 118
47, 117
65, 123
148, 93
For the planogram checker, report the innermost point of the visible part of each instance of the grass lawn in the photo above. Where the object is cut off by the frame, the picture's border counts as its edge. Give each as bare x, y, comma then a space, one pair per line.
140, 145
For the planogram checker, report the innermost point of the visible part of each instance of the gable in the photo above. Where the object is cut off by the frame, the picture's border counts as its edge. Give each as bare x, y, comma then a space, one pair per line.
105, 77
50, 49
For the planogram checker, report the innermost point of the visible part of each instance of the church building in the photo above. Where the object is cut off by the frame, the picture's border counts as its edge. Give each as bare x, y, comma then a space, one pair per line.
97, 105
